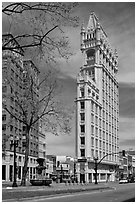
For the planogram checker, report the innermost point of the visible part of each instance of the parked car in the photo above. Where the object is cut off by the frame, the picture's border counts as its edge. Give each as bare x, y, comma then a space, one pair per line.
131, 180
124, 180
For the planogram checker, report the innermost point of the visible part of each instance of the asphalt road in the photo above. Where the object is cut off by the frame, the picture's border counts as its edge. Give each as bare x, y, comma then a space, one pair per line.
120, 193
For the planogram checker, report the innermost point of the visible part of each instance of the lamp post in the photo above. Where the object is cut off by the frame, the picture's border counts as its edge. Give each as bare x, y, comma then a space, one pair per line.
95, 168
61, 178
15, 144
75, 172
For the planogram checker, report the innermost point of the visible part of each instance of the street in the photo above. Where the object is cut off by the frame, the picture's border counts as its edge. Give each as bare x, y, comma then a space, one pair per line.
119, 193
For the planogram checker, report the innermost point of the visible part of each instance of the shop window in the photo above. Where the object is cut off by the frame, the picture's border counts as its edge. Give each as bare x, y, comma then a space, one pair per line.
102, 176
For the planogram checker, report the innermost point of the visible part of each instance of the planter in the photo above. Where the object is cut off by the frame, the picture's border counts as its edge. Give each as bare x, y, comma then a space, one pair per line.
36, 182
40, 182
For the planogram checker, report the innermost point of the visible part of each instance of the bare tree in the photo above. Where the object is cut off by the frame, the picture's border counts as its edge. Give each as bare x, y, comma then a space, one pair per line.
38, 100
40, 26
37, 28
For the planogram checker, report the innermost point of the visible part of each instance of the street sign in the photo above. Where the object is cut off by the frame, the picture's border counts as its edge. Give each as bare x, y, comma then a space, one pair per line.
82, 160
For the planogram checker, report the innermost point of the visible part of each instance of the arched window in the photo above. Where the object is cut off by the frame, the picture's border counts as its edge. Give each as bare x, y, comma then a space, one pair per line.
91, 57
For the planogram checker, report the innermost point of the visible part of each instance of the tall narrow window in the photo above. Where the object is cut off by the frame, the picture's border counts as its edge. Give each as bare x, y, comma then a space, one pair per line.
82, 152
82, 93
96, 143
89, 92
82, 140
82, 116
93, 74
92, 129
92, 141
82, 127
91, 57
92, 106
4, 117
100, 111
11, 128
96, 109
82, 105
4, 127
92, 118
4, 89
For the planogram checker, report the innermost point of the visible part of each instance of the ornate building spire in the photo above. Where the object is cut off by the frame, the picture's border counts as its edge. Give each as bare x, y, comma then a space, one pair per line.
92, 23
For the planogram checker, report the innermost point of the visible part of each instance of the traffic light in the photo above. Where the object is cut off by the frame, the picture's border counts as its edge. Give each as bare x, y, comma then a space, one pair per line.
123, 153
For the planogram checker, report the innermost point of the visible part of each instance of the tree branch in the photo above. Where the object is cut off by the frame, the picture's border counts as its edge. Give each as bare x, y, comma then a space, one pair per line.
41, 38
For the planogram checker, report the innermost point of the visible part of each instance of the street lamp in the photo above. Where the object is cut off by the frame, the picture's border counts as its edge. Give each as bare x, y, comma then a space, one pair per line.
14, 143
95, 168
61, 178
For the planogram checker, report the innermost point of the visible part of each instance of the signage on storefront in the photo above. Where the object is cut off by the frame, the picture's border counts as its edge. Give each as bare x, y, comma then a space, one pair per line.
82, 160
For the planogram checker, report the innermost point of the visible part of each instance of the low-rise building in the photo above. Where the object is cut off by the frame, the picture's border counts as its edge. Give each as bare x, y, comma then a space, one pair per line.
127, 164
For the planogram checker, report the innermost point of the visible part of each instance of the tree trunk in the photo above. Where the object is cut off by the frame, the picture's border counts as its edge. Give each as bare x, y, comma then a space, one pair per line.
25, 169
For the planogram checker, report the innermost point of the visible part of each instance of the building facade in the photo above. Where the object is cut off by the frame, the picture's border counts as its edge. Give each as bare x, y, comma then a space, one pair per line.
14, 84
127, 164
97, 105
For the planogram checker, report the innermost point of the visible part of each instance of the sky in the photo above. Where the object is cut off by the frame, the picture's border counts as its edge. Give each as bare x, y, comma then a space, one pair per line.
118, 21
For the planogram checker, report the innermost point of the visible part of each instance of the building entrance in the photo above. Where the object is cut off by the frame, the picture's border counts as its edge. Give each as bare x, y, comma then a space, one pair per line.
3, 172
90, 177
11, 172
82, 178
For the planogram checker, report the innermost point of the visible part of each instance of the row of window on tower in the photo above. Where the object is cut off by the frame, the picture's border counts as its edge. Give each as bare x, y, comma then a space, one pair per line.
89, 36
104, 143
110, 130
109, 81
100, 121
110, 116
108, 61
100, 154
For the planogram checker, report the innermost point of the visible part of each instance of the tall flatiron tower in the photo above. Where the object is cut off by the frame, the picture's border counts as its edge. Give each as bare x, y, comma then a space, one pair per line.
97, 105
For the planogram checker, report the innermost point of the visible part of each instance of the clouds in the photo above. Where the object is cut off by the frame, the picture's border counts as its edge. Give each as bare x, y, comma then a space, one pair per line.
127, 100
61, 145
118, 21
65, 144
127, 133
